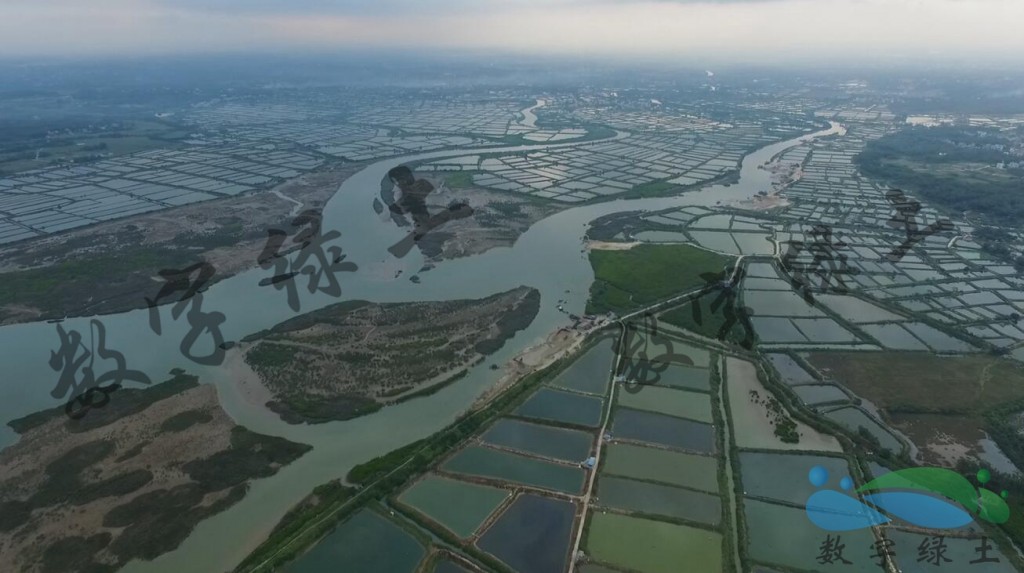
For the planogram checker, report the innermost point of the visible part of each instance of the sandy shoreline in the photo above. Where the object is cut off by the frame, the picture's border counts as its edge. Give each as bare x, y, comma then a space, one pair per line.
537, 357
608, 246
244, 380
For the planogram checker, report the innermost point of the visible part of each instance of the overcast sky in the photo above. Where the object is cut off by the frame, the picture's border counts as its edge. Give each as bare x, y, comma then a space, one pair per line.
745, 30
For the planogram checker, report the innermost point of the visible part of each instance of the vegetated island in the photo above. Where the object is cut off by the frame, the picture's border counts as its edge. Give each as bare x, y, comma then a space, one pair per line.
352, 358
127, 481
498, 218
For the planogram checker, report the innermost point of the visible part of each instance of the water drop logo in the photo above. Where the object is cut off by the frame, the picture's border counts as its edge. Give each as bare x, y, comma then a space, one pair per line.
934, 498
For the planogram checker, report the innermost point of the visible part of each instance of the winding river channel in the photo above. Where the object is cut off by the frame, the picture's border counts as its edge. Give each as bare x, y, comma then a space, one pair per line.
547, 257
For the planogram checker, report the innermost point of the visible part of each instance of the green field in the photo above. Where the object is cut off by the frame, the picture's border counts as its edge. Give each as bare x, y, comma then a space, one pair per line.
653, 546
692, 405
673, 468
459, 506
630, 279
485, 462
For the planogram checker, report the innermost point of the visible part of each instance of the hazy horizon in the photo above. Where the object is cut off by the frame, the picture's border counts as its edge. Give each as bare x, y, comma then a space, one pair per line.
721, 32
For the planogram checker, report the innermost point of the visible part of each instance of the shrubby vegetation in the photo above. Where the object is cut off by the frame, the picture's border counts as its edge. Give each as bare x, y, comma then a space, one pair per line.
69, 553
251, 455
185, 420
942, 164
362, 356
123, 402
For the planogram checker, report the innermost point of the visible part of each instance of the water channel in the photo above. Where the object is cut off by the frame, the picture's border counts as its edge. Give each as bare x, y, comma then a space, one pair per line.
548, 257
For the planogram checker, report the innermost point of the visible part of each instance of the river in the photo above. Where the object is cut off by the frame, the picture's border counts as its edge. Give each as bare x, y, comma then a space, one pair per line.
530, 118
548, 257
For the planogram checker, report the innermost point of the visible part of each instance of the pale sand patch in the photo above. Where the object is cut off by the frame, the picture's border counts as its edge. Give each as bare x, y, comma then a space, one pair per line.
949, 450
751, 422
246, 381
610, 246
761, 203
18, 313
950, 453
557, 345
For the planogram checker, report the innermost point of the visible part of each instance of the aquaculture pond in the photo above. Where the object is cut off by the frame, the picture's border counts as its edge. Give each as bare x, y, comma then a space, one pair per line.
533, 535
771, 329
754, 283
853, 418
592, 371
662, 374
894, 336
548, 404
687, 377
784, 477
683, 354
446, 566
716, 241
653, 546
959, 551
662, 237
692, 405
824, 330
790, 370
761, 270
856, 310
938, 340
663, 430
674, 468
785, 536
546, 441
754, 243
751, 420
457, 505
812, 394
486, 462
779, 303
655, 499
365, 543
